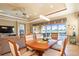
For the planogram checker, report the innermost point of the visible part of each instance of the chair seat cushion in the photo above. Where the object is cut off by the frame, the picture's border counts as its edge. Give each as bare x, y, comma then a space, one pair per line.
51, 52
28, 53
51, 41
58, 45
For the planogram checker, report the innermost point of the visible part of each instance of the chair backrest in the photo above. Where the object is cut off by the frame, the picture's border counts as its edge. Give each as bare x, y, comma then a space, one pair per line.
14, 47
64, 46
54, 36
39, 36
13, 37
29, 37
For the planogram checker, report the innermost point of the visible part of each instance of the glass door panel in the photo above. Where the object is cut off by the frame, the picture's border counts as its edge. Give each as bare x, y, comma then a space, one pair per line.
54, 28
48, 28
62, 29
43, 29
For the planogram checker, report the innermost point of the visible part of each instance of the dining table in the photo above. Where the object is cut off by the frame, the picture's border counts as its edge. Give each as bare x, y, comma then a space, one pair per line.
40, 46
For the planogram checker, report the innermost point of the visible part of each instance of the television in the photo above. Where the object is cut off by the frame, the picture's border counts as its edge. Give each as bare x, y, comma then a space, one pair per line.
6, 29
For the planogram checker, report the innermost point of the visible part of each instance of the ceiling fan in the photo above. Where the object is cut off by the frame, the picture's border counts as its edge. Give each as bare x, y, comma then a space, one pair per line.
24, 14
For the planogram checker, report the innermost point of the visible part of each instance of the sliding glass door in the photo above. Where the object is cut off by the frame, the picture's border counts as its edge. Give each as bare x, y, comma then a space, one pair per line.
46, 30
62, 29
54, 28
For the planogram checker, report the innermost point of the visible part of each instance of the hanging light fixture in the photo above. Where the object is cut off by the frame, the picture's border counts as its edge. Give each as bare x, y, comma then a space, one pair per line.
44, 17
24, 13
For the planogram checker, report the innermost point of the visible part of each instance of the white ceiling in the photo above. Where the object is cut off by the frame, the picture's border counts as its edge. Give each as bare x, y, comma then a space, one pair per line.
31, 11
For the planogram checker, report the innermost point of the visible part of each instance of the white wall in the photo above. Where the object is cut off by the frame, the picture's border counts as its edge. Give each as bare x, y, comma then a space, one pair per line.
28, 28
72, 21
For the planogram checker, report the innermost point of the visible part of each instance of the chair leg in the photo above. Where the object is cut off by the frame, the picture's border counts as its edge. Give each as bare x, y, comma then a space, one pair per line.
27, 49
64, 53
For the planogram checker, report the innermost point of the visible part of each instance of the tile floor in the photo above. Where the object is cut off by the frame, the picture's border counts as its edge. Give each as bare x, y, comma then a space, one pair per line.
71, 50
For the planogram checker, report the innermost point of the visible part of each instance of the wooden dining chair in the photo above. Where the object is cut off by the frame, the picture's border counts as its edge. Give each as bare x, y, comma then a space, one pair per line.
26, 38
39, 36
29, 37
14, 47
57, 45
54, 38
61, 52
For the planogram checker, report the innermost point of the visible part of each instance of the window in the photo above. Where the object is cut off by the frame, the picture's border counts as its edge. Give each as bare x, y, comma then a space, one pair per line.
46, 30
21, 29
36, 29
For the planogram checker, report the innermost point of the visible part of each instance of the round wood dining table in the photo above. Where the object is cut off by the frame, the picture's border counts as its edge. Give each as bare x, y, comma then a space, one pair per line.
39, 45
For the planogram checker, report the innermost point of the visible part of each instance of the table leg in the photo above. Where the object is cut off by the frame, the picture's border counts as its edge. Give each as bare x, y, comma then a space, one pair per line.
40, 53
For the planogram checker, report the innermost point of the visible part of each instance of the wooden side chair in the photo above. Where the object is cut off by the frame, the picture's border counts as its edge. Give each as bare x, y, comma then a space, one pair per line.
29, 37
58, 44
14, 47
54, 38
39, 36
61, 52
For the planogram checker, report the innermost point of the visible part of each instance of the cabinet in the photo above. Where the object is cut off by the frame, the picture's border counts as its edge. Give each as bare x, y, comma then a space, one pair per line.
72, 39
77, 40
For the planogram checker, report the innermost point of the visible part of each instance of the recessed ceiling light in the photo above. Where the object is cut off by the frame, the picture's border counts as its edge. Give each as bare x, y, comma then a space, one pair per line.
27, 16
51, 6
